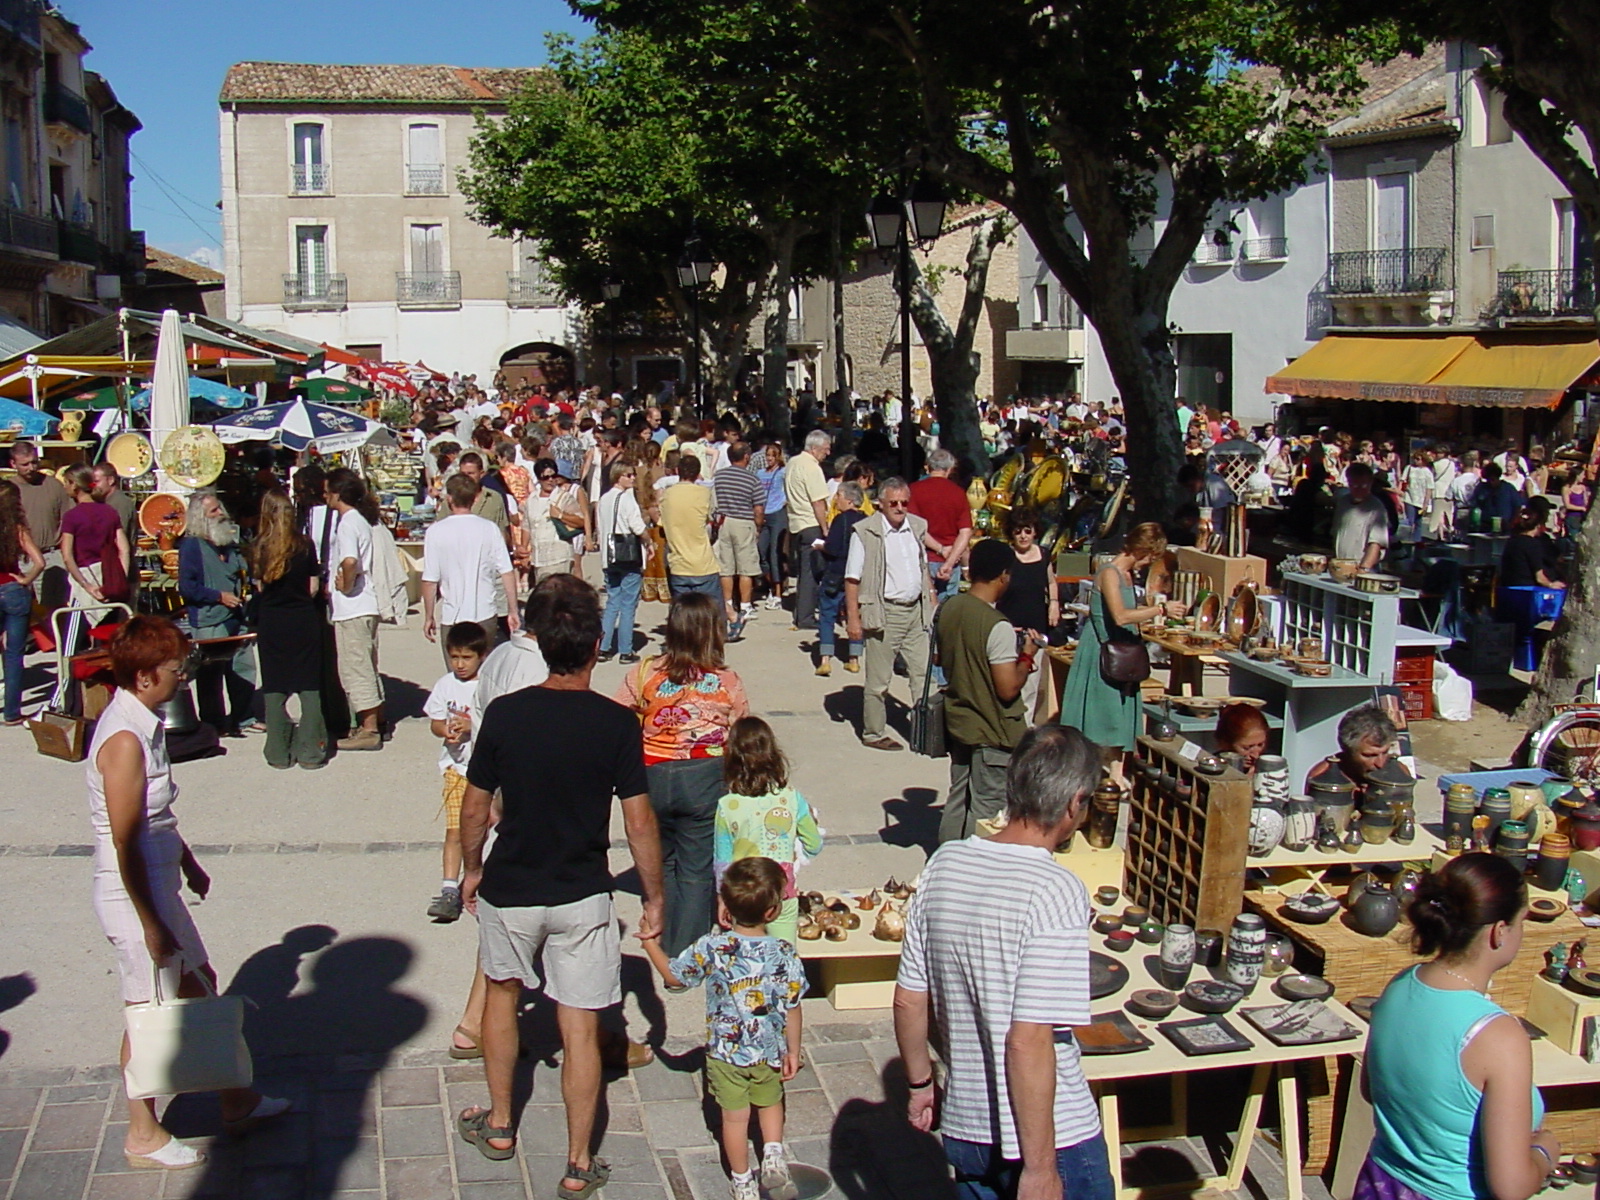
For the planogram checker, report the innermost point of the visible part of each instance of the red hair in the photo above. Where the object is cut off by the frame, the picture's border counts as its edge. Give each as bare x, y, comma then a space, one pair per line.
143, 644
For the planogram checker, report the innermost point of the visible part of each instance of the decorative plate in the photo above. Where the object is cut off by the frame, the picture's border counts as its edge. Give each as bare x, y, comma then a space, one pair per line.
1211, 996
193, 456
1542, 909
1107, 976
130, 454
163, 513
1205, 1035
1302, 1023
1302, 987
1585, 982
1110, 1033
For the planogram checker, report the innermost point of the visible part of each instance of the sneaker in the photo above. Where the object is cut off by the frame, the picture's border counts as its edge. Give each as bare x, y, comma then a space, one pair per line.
744, 1189
853, 665
607, 655
775, 1175
446, 906
773, 602
628, 659
749, 613
362, 739
825, 667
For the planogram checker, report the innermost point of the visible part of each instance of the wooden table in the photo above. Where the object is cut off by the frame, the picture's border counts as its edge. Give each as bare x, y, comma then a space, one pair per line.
1187, 662
1265, 1060
858, 972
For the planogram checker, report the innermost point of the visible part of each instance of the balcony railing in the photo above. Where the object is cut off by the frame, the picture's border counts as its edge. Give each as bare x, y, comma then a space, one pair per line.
1565, 293
802, 332
1389, 272
425, 179
313, 293
1266, 249
531, 291
428, 289
1210, 253
21, 18
78, 243
310, 179
28, 232
63, 106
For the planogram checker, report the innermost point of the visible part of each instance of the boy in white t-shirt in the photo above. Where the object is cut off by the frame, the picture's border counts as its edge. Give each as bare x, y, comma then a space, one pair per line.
449, 710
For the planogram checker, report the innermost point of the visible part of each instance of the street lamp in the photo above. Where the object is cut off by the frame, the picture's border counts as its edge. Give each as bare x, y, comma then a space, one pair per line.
893, 224
694, 272
609, 291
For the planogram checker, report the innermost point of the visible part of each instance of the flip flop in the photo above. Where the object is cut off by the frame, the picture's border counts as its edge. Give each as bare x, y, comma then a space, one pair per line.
475, 1128
592, 1179
466, 1052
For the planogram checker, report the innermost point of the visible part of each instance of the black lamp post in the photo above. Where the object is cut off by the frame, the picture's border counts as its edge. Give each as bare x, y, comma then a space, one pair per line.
609, 291
694, 272
893, 224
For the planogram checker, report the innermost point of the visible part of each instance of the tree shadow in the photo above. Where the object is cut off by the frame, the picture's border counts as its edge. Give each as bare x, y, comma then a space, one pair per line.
14, 989
913, 819
875, 1154
322, 1049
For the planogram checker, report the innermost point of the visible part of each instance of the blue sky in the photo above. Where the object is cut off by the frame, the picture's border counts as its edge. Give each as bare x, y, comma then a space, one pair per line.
166, 60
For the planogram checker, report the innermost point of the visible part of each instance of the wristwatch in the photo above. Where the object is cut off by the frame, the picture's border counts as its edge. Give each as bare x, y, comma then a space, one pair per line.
928, 1083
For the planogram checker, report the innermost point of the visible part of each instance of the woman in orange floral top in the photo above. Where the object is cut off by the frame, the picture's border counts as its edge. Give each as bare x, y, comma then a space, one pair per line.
686, 700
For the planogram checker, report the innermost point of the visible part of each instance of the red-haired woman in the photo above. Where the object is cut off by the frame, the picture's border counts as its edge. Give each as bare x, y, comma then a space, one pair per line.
141, 863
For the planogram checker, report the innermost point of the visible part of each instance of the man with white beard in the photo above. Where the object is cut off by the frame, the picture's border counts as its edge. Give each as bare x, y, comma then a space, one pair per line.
211, 571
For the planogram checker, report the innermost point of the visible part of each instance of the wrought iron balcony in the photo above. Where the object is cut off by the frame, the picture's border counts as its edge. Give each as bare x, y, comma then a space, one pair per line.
1566, 293
21, 18
311, 179
78, 244
1212, 253
1266, 249
801, 332
63, 106
28, 232
315, 293
1389, 272
425, 179
428, 289
531, 291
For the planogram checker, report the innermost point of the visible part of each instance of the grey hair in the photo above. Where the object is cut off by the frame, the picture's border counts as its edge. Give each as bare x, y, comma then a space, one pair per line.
941, 460
892, 484
1366, 724
850, 492
1052, 768
223, 531
819, 439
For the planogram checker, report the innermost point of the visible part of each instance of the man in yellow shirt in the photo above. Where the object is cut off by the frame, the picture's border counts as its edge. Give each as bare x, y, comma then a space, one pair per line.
686, 521
807, 491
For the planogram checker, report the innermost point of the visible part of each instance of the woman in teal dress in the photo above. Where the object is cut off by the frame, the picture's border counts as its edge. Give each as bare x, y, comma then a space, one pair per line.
1108, 713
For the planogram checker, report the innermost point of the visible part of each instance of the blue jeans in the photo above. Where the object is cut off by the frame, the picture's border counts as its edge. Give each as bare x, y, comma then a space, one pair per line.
943, 589
622, 602
831, 605
982, 1174
769, 545
16, 603
706, 585
684, 794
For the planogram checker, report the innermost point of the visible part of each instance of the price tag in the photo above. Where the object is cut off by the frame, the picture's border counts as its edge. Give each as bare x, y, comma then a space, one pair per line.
1189, 752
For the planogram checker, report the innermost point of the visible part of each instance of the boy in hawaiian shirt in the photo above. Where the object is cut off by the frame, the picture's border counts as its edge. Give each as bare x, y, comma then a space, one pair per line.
753, 986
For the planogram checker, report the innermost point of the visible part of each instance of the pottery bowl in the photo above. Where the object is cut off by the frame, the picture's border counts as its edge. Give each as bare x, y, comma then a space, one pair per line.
1313, 564
1135, 915
1154, 1003
1121, 941
1545, 910
1310, 908
1151, 932
1344, 570
1107, 924
1107, 895
1211, 996
1302, 987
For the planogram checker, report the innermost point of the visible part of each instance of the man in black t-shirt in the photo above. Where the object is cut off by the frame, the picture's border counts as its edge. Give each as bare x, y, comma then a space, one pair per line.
557, 752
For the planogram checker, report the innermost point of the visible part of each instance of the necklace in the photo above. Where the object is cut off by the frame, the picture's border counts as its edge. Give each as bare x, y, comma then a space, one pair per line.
1463, 978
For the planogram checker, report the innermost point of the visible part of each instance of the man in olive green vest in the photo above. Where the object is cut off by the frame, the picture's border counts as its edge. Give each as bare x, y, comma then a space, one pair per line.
985, 672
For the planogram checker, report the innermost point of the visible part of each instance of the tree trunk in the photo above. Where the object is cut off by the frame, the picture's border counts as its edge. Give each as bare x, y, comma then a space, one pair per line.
1139, 355
841, 368
775, 359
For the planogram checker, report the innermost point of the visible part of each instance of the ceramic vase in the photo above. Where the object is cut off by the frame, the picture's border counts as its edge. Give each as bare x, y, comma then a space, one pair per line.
1267, 824
1496, 806
1177, 956
1554, 852
1247, 950
1376, 911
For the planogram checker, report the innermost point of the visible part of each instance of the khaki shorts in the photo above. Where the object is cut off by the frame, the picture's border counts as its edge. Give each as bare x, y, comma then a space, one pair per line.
578, 945
455, 790
737, 552
734, 1087
356, 640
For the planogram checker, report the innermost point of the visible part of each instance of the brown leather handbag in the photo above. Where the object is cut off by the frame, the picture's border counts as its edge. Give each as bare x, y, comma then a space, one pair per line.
1124, 658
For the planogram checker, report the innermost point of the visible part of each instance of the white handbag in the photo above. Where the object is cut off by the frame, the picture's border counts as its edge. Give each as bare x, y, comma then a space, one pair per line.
186, 1045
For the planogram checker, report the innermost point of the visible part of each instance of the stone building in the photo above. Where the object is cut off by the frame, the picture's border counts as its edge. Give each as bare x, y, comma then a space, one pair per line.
343, 223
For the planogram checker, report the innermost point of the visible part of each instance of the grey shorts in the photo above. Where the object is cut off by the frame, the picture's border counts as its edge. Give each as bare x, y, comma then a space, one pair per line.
578, 943
738, 550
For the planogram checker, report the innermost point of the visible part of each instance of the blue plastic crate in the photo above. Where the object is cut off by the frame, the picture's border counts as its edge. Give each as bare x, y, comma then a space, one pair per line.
1481, 780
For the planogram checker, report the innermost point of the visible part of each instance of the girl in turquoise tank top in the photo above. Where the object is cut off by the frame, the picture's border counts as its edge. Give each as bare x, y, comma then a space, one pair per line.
1449, 1072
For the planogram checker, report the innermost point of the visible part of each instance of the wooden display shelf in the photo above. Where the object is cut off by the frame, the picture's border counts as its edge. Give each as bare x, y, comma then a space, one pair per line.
1186, 854
1420, 850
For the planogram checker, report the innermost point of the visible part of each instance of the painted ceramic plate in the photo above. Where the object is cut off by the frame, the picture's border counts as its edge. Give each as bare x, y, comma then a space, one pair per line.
1110, 1033
130, 454
193, 456
1107, 976
163, 513
1301, 1023
1205, 1035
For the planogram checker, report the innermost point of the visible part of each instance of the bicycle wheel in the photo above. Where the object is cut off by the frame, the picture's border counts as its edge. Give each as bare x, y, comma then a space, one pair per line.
1568, 744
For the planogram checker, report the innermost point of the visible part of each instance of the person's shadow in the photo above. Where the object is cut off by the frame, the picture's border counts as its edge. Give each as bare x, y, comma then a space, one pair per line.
321, 1049
14, 989
875, 1154
912, 819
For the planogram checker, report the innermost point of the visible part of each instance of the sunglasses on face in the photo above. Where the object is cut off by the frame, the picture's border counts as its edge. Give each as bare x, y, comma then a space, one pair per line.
893, 503
548, 475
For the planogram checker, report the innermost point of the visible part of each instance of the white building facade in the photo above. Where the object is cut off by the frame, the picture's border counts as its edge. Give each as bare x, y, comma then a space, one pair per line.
343, 222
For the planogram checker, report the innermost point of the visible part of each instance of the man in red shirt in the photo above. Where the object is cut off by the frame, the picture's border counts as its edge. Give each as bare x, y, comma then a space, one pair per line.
941, 502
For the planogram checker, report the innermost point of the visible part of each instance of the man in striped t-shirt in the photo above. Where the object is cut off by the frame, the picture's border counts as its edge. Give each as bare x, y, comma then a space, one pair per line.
1002, 971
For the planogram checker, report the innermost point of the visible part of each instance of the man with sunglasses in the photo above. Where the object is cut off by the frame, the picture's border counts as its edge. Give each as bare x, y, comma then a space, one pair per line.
888, 603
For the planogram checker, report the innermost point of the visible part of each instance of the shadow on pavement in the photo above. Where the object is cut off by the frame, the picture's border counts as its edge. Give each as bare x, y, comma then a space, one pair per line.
322, 1049
844, 708
402, 699
875, 1154
14, 989
913, 819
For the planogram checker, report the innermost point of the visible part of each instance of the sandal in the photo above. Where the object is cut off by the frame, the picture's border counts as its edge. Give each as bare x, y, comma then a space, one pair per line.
172, 1155
592, 1179
473, 1125
465, 1052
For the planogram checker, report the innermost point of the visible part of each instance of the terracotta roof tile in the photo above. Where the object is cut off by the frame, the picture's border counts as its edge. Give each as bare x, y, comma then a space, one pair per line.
278, 83
173, 264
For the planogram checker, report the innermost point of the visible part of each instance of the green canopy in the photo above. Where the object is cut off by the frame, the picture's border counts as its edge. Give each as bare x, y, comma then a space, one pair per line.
332, 391
95, 400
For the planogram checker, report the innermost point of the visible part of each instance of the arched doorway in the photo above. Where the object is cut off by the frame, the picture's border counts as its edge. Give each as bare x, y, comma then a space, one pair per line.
538, 363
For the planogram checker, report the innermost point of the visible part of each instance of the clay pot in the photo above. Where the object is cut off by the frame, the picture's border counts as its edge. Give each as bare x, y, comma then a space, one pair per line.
1496, 805
1554, 853
1583, 827
1247, 950
1376, 911
1376, 825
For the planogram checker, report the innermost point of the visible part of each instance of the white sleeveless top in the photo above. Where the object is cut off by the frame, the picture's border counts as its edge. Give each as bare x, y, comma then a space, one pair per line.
126, 713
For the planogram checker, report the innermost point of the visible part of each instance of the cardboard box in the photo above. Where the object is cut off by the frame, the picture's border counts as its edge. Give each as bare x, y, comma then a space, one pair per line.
1225, 573
1561, 1013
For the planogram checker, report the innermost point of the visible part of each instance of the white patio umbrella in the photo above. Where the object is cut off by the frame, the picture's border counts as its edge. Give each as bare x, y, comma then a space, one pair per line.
169, 393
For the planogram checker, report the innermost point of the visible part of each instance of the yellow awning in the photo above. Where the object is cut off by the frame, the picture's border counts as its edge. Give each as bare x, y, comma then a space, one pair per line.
1503, 370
